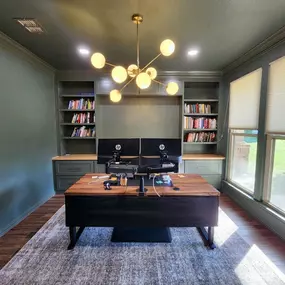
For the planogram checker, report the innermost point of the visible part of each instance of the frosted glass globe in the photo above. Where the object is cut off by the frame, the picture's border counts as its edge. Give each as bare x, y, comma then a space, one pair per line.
167, 47
151, 72
132, 70
119, 74
172, 88
98, 60
143, 80
115, 96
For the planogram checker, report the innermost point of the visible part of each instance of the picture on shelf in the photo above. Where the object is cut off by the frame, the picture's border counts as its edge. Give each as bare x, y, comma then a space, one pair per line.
200, 123
200, 137
197, 108
82, 104
83, 132
81, 118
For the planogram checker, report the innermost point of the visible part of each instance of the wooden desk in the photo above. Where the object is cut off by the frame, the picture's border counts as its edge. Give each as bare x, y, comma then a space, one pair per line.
194, 205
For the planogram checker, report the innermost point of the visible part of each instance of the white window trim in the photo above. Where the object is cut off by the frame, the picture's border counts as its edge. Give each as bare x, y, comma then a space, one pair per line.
232, 133
269, 163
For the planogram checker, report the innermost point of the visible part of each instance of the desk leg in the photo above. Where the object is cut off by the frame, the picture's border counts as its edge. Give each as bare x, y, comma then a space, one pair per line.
74, 236
208, 236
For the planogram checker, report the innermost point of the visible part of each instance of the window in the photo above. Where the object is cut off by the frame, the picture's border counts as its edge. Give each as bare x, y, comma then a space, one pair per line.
243, 158
243, 123
274, 186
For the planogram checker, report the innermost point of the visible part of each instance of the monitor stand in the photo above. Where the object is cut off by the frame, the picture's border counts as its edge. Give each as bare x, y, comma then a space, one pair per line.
141, 190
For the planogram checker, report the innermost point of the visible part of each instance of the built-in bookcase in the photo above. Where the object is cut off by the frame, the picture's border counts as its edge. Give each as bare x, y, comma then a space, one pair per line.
77, 117
200, 117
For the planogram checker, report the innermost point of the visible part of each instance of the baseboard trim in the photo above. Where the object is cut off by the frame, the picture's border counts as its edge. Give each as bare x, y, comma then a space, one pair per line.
24, 215
271, 219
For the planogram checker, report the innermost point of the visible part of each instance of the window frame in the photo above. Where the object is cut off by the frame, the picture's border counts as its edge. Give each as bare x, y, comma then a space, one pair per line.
269, 165
232, 133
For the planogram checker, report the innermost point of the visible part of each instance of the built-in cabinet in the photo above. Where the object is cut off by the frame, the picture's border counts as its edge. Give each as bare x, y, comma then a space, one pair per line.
68, 172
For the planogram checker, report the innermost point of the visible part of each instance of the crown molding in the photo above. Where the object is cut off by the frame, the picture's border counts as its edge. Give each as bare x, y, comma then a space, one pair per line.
7, 40
264, 47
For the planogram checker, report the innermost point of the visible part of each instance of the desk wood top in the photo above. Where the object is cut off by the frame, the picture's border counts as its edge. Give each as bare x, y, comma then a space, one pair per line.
189, 184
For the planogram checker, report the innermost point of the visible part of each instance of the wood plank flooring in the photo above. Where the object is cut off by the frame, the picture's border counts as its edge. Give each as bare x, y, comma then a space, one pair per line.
252, 231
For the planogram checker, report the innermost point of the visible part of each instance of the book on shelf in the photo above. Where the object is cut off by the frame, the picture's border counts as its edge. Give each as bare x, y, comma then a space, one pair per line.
83, 132
81, 104
200, 137
197, 108
83, 118
199, 123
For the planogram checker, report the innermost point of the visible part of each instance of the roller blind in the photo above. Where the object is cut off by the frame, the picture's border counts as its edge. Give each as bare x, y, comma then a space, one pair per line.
244, 101
276, 97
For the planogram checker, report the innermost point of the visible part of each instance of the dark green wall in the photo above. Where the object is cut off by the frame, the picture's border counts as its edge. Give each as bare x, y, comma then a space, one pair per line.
27, 133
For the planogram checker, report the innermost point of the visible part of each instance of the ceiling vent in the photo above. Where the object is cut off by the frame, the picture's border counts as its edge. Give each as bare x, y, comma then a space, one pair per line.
31, 25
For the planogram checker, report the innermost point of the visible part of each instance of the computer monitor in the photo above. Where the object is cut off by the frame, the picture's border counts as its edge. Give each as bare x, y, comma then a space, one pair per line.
153, 147
126, 147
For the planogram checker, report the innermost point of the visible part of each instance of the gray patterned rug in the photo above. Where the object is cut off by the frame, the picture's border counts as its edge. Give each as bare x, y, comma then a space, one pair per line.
95, 260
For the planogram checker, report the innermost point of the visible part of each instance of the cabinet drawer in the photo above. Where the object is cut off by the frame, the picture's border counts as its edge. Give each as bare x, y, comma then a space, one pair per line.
203, 166
73, 167
64, 182
214, 180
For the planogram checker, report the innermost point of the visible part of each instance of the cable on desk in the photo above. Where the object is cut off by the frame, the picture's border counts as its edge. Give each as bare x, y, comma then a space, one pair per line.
154, 186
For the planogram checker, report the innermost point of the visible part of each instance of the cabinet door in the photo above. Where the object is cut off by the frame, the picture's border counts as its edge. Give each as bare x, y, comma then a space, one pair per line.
74, 167
64, 182
203, 166
214, 180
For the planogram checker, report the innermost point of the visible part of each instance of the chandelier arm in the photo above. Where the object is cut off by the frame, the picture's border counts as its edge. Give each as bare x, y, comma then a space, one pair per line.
127, 84
150, 62
159, 82
110, 64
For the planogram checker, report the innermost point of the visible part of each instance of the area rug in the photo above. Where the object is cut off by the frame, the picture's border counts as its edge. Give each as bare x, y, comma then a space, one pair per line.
95, 260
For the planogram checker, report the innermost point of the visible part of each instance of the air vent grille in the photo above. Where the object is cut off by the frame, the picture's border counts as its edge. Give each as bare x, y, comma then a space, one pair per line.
31, 25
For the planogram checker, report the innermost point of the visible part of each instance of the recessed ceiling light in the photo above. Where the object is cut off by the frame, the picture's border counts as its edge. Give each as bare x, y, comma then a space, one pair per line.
193, 52
83, 51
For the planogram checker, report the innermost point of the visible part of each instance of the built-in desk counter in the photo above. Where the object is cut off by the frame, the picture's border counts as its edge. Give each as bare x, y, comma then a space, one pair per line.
67, 169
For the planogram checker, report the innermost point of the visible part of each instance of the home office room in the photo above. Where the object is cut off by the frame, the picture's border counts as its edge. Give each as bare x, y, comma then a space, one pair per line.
142, 142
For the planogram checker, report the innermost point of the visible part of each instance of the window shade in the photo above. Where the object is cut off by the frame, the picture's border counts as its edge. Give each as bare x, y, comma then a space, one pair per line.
276, 97
244, 101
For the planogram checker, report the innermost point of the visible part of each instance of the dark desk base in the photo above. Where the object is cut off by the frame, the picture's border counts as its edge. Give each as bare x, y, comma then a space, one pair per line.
141, 235
151, 213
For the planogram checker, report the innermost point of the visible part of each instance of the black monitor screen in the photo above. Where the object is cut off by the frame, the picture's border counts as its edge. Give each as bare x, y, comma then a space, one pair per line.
127, 147
154, 146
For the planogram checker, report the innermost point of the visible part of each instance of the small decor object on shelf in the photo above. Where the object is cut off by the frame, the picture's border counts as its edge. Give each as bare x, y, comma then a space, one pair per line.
82, 104
83, 132
142, 75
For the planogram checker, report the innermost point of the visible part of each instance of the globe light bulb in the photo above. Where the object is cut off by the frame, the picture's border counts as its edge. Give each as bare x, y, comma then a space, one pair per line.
167, 47
151, 72
143, 80
172, 88
133, 70
98, 60
115, 96
119, 74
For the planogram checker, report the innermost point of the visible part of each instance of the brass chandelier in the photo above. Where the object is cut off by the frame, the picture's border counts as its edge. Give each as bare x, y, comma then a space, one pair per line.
143, 76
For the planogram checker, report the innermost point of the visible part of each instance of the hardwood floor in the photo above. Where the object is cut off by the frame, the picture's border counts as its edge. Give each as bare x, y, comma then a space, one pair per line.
252, 231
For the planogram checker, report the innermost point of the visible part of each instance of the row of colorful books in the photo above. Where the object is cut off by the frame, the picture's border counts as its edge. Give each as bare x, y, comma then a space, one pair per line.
199, 123
200, 137
81, 104
197, 108
83, 118
83, 132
